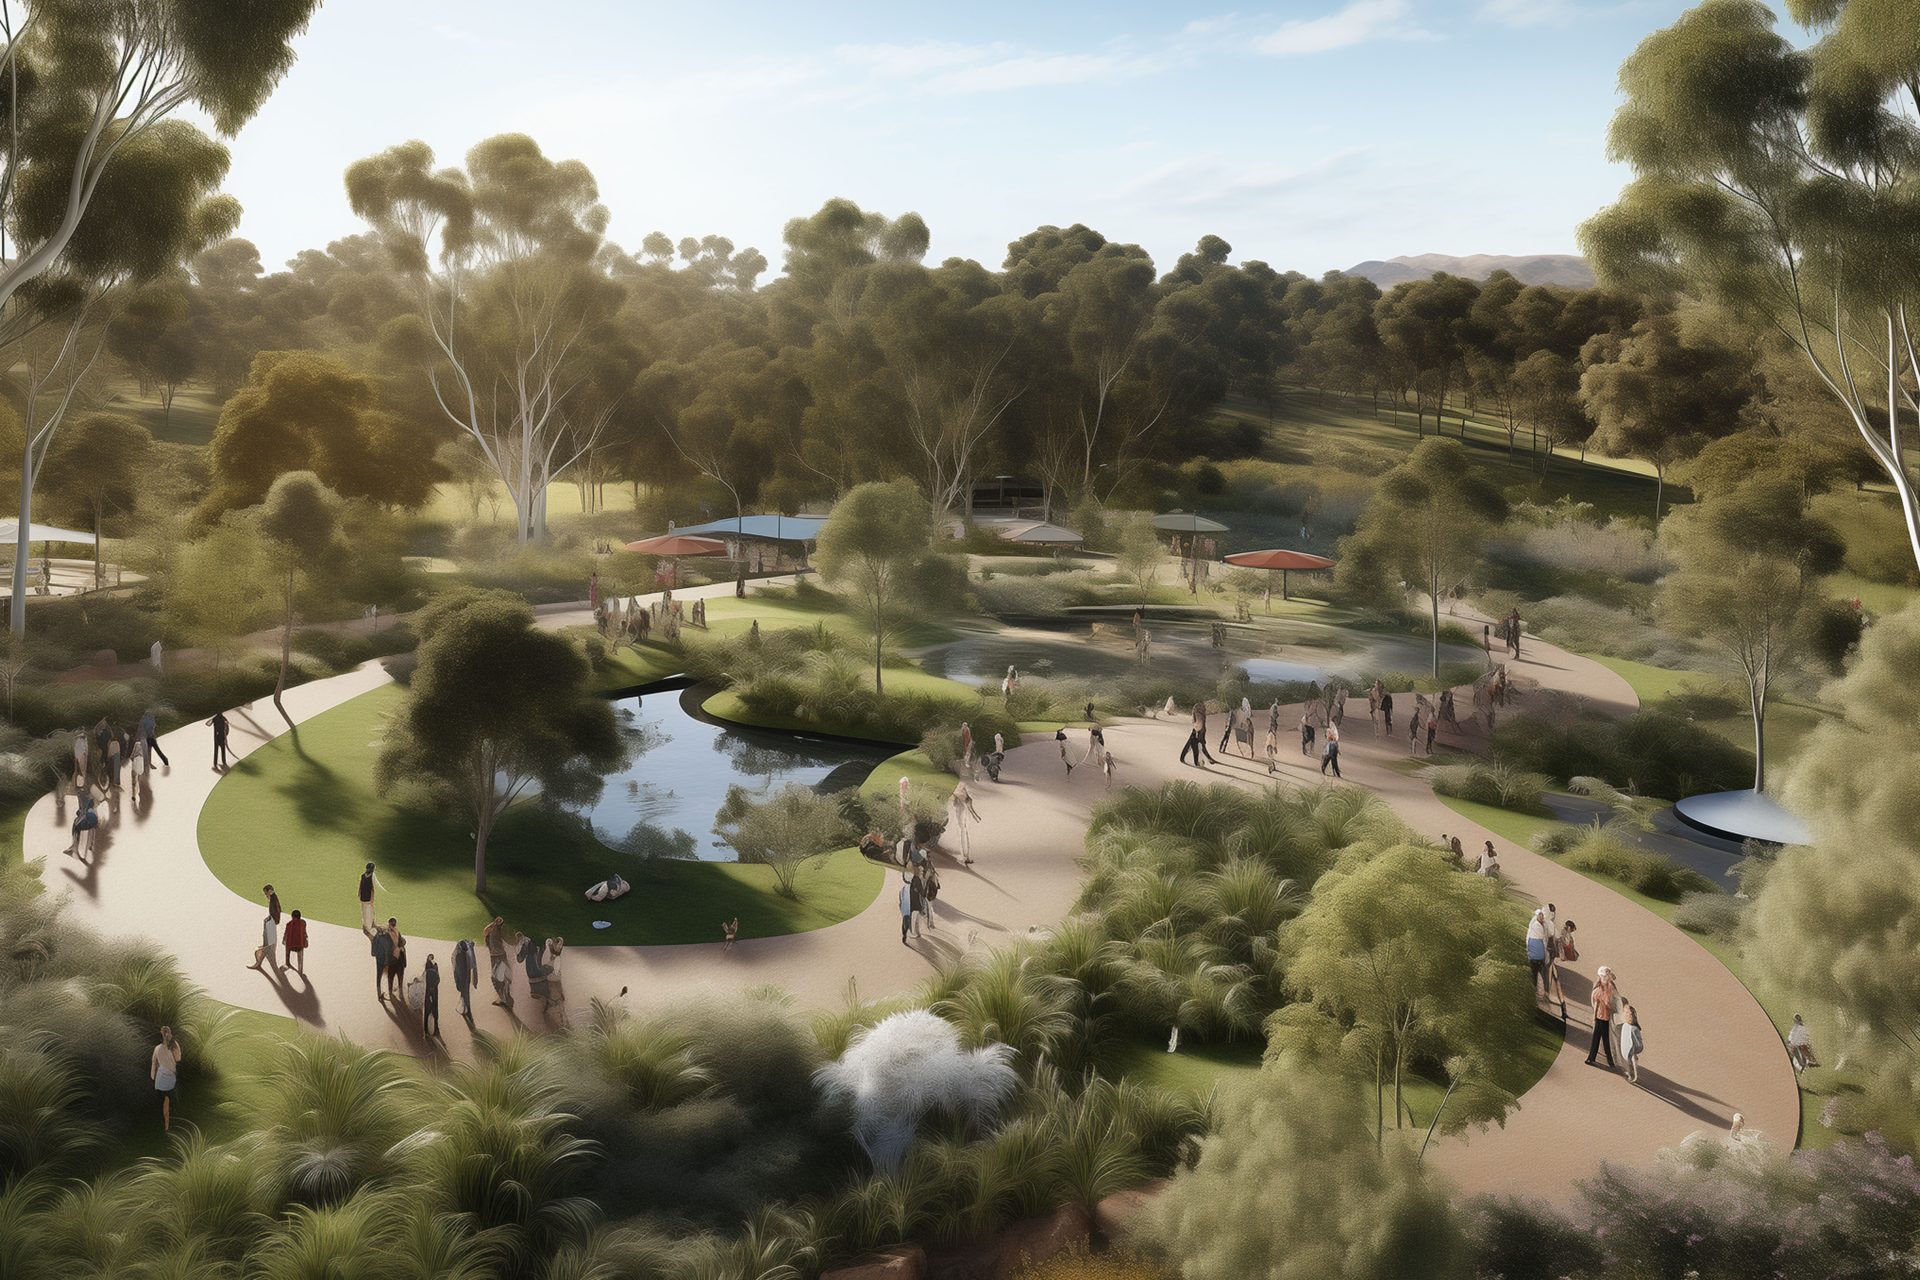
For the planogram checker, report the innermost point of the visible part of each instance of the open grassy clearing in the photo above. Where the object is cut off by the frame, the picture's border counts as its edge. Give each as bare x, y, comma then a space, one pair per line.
1790, 718
306, 817
191, 421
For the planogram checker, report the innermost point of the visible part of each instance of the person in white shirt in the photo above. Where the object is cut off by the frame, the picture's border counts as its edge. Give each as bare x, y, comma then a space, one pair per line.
1799, 1044
1489, 861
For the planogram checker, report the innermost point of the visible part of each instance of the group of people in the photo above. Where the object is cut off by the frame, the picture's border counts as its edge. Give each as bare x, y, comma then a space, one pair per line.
292, 936
1549, 943
101, 756
1096, 750
1320, 720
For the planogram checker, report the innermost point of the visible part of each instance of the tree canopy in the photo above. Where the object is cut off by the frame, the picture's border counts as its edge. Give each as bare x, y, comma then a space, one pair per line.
496, 707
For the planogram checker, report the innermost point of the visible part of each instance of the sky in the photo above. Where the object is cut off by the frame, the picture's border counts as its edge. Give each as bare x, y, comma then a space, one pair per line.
1312, 134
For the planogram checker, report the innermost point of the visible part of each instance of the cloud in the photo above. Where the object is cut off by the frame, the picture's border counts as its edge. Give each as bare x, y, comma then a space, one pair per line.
1361, 22
1528, 13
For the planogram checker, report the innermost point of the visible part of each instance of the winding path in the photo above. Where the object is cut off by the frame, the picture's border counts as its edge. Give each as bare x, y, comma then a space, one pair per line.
1711, 1049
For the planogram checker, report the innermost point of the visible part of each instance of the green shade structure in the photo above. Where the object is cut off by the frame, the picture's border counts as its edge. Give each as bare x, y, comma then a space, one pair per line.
1282, 559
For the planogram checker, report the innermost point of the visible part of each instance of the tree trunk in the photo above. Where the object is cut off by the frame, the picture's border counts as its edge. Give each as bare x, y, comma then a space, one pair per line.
483, 829
1659, 492
1433, 600
1399, 1067
1757, 700
286, 652
22, 548
96, 547
878, 691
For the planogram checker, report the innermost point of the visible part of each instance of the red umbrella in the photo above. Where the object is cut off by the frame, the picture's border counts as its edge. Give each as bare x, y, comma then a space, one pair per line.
675, 545
1282, 559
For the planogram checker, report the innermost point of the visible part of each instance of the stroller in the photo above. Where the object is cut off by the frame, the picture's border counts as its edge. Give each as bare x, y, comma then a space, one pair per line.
991, 763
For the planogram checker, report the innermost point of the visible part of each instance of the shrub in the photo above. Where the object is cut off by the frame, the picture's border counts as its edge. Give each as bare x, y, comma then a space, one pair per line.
1716, 915
1557, 839
345, 650
1654, 753
1653, 874
907, 1067
783, 830
1498, 784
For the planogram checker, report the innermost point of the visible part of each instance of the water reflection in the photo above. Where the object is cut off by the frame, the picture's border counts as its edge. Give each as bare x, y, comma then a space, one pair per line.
662, 804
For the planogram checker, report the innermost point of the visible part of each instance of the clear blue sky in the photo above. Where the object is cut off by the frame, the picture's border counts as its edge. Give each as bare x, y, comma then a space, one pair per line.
1313, 134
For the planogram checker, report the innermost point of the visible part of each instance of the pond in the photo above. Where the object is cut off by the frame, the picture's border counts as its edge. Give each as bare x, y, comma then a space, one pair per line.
681, 763
1270, 650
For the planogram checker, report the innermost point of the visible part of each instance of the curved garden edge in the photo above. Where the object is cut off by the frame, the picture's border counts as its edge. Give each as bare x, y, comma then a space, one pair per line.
1706, 1029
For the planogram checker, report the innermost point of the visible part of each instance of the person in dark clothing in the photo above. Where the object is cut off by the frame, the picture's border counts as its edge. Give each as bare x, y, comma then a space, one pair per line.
465, 968
151, 732
1386, 710
219, 723
1197, 740
1330, 757
382, 957
430, 1014
366, 900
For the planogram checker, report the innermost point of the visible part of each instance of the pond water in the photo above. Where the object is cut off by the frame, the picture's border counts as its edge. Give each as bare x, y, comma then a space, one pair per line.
1278, 651
681, 764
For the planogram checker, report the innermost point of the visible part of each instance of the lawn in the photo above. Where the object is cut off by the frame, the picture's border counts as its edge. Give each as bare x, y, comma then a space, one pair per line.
726, 704
191, 420
306, 818
1789, 719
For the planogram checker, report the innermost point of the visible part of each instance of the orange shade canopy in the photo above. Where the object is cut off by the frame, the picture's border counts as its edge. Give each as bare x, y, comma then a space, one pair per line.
678, 544
1279, 558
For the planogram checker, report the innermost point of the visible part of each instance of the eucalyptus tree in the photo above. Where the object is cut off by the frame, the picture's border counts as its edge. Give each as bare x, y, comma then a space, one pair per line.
1780, 182
1663, 392
99, 183
1422, 324
1749, 560
953, 341
1102, 313
501, 261
299, 526
1430, 518
96, 467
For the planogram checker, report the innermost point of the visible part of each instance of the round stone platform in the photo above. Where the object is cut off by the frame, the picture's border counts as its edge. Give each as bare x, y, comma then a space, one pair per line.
1743, 815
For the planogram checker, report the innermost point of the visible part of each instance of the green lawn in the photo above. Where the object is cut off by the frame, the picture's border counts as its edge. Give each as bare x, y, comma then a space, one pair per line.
191, 420
726, 704
1789, 719
307, 818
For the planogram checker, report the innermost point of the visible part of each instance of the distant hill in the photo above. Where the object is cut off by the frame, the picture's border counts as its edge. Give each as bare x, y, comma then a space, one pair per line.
1538, 268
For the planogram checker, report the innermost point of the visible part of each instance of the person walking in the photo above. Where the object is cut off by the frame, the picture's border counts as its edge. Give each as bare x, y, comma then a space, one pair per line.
115, 744
906, 907
382, 947
500, 973
1340, 704
729, 933
430, 1011
465, 967
1800, 1045
920, 906
1605, 994
397, 963
1386, 709
294, 938
1273, 751
163, 1068
1306, 734
150, 731
1226, 731
1273, 720
220, 728
268, 951
86, 820
1330, 755
367, 885
1433, 726
1537, 958
1631, 1040
1106, 767
1489, 861
966, 749
1060, 739
964, 815
1096, 743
